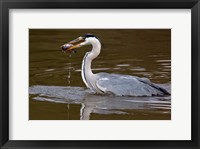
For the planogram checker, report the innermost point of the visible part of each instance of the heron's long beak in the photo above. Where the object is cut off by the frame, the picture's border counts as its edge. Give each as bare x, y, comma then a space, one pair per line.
74, 44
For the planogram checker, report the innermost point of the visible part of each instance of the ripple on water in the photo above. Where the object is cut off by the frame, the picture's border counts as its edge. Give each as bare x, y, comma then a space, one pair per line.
116, 68
49, 70
123, 65
94, 103
138, 69
163, 61
94, 69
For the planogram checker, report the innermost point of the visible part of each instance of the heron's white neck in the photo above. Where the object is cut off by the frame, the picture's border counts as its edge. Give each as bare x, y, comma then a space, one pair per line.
86, 72
96, 48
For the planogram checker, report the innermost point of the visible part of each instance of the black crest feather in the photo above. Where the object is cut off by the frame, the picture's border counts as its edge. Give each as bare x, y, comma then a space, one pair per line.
89, 35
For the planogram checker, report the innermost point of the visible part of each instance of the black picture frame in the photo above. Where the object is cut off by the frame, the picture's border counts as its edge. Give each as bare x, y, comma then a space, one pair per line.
5, 5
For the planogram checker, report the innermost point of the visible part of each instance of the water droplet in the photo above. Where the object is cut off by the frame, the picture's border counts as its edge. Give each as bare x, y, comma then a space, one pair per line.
69, 69
69, 75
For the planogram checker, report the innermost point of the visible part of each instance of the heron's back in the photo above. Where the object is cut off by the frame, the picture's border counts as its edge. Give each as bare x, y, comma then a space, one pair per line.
125, 85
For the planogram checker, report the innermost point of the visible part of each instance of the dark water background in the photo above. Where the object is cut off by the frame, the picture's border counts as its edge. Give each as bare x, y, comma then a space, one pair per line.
57, 91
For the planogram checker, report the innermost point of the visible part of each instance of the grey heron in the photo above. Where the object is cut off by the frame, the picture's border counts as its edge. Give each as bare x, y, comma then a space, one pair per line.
103, 83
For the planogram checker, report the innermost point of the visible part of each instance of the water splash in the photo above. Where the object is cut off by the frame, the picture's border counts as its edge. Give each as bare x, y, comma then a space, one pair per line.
69, 69
101, 104
69, 81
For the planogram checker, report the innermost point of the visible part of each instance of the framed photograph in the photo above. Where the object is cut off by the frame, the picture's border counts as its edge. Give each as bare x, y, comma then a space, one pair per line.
103, 74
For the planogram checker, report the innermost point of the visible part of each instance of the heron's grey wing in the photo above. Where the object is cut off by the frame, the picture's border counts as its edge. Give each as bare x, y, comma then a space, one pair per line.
125, 85
156, 86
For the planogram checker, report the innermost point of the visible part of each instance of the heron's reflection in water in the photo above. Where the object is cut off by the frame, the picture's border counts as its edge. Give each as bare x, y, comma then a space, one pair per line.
102, 104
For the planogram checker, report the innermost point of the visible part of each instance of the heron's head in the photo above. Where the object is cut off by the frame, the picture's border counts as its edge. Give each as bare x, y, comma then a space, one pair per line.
79, 42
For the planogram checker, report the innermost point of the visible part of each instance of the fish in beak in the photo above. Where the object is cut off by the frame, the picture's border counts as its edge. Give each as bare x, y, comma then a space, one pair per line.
74, 44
